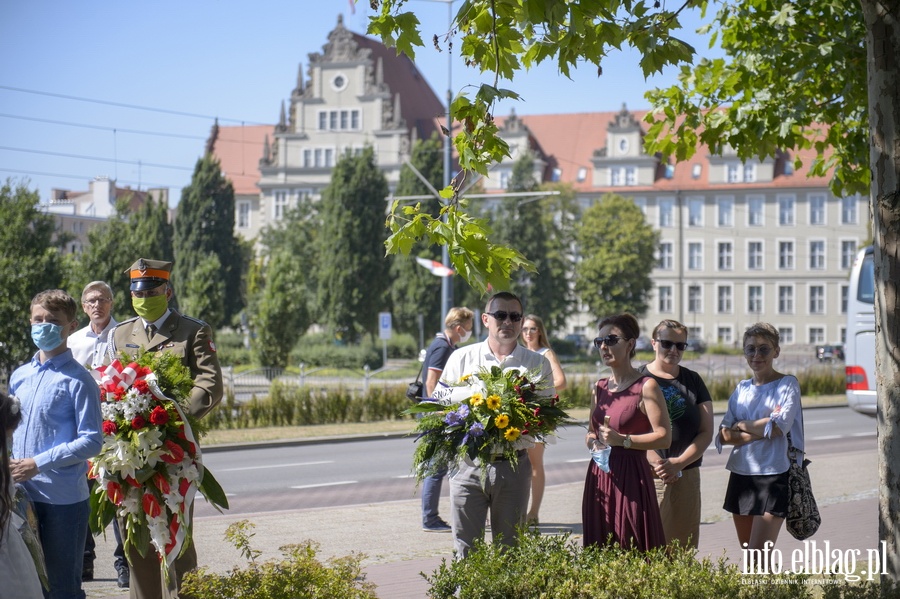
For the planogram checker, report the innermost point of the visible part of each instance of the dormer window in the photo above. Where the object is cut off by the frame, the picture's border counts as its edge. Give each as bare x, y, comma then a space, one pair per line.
623, 145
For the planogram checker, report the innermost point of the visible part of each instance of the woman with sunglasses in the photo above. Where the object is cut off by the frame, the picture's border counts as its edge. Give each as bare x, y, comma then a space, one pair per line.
677, 469
534, 337
763, 415
628, 414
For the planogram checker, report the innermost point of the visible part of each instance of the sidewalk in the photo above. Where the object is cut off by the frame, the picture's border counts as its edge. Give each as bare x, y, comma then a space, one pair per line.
397, 550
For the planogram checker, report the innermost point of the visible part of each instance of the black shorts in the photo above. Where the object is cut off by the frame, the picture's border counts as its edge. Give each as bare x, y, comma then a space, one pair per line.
757, 495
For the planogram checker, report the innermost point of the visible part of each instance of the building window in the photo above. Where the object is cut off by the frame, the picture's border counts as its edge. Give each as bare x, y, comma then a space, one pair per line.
726, 255
845, 295
816, 299
848, 254
339, 120
329, 157
616, 177
725, 335
754, 255
755, 299
725, 305
749, 173
817, 209
666, 211
695, 212
786, 211
785, 299
279, 205
848, 210
665, 299
738, 172
307, 158
695, 299
318, 162
726, 212
696, 171
817, 255
786, 334
665, 256
755, 214
695, 256
786, 255
243, 215
642, 204
733, 173
505, 175
630, 175
816, 335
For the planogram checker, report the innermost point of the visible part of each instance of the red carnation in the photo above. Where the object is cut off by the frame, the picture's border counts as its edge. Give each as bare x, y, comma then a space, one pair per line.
151, 505
114, 492
141, 386
174, 453
159, 415
138, 422
110, 427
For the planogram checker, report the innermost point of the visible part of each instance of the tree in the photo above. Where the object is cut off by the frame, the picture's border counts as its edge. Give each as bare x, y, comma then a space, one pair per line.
352, 269
541, 228
29, 263
116, 243
822, 75
283, 284
204, 226
414, 290
617, 248
281, 313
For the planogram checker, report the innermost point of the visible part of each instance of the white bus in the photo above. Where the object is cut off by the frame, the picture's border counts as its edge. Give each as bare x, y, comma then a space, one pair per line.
859, 348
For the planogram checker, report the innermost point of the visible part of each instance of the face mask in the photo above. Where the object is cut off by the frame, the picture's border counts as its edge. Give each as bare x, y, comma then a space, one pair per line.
465, 336
150, 308
46, 335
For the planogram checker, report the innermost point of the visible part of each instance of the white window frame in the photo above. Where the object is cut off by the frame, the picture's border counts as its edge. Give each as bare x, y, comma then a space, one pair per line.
787, 210
845, 297
725, 255
725, 334
695, 300
724, 299
666, 259
695, 258
752, 300
756, 211
756, 260
725, 211
818, 213
666, 209
816, 299
786, 305
665, 299
695, 218
786, 333
817, 256
280, 199
849, 210
816, 335
242, 214
787, 261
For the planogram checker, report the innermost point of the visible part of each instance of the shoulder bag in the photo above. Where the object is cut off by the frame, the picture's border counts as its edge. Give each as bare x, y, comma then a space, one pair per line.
416, 390
803, 517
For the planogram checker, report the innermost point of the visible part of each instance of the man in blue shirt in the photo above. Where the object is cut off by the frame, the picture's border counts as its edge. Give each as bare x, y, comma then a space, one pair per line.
59, 432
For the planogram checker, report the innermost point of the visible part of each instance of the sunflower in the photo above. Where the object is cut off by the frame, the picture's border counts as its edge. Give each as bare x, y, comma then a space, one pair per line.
502, 421
511, 434
493, 402
476, 400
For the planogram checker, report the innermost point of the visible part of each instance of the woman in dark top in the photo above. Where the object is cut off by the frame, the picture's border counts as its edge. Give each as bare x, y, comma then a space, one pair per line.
677, 469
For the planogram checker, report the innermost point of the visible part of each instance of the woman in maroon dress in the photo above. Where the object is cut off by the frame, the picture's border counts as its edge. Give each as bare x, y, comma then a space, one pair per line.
628, 413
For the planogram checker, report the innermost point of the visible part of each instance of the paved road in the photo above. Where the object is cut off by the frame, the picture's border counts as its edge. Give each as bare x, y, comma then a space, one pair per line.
376, 470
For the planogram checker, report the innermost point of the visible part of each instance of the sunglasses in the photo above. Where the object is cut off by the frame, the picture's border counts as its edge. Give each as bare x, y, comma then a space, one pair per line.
762, 350
501, 315
609, 340
666, 344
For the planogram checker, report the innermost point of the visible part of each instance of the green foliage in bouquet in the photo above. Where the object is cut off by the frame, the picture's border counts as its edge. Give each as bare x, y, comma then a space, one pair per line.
485, 416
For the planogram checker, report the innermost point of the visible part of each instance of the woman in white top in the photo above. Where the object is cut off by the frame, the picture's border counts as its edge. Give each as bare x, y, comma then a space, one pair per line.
762, 411
534, 337
17, 571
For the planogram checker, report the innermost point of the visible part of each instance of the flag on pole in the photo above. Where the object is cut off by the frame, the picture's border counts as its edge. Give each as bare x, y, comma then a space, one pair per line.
353, 7
435, 267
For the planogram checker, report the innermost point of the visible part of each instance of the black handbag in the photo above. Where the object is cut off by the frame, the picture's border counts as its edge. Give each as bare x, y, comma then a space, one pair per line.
803, 517
416, 390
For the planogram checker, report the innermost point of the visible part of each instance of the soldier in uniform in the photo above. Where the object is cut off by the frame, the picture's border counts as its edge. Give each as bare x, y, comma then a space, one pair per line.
160, 328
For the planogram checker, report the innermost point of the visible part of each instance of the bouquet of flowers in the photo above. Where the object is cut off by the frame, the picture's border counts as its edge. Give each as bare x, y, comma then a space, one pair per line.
149, 467
491, 413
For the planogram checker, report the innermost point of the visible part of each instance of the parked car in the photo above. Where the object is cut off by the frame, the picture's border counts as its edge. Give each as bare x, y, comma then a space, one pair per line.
696, 345
830, 353
643, 344
580, 342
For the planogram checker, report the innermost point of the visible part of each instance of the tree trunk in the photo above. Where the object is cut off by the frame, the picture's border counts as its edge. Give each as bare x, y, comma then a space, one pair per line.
883, 65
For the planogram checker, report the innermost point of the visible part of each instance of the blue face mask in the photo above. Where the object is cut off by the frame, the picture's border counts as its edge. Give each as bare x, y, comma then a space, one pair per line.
46, 335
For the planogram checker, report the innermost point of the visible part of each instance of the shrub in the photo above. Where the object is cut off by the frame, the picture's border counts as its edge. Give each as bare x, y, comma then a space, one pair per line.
337, 356
299, 575
556, 567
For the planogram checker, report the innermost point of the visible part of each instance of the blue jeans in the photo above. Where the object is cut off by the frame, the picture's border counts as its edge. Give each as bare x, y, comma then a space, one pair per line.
63, 529
431, 497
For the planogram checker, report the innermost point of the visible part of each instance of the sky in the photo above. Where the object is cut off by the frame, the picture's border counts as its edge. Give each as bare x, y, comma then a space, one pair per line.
130, 90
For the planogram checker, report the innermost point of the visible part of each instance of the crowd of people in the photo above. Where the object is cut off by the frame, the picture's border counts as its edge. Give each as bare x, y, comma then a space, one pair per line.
655, 420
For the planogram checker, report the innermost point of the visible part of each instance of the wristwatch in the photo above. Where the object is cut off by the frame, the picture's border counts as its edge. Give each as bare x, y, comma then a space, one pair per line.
627, 442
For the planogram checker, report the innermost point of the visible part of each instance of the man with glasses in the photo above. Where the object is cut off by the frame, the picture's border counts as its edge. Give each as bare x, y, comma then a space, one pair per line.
159, 328
503, 491
89, 348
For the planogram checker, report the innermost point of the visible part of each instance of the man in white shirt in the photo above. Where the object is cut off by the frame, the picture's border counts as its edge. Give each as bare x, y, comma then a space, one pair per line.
505, 489
89, 344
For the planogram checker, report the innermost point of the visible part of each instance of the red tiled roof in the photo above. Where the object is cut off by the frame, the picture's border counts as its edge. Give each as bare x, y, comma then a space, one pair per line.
239, 149
569, 141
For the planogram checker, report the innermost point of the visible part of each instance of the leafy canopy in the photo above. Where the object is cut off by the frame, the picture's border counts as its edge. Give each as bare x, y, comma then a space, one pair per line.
503, 37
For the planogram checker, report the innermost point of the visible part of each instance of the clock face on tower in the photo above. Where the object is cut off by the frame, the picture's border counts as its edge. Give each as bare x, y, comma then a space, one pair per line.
623, 146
